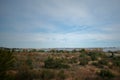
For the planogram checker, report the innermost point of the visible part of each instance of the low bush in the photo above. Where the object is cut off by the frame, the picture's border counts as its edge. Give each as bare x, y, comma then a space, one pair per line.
116, 61
24, 73
94, 55
55, 63
47, 75
106, 74
61, 75
83, 61
102, 62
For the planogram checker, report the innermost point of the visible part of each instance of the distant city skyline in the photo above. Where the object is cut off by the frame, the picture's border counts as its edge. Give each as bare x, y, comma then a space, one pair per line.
59, 23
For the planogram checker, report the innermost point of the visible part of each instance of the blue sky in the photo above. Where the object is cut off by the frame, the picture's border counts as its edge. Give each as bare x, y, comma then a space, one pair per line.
59, 23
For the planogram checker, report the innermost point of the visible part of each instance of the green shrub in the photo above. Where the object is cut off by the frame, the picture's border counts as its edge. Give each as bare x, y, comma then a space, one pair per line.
24, 73
102, 62
29, 62
83, 59
83, 62
55, 63
116, 61
95, 64
82, 51
94, 55
82, 55
61, 75
47, 75
41, 51
73, 60
74, 51
106, 74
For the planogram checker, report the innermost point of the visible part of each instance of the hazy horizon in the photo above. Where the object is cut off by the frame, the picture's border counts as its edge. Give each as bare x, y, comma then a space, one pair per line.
58, 47
59, 23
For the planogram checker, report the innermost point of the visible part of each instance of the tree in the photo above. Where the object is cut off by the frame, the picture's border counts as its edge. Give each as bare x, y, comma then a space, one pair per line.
6, 63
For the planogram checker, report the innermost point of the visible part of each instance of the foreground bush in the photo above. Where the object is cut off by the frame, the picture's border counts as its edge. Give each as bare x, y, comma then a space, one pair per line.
6, 63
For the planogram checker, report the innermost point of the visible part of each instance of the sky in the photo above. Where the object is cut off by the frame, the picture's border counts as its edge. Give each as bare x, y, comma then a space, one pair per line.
59, 23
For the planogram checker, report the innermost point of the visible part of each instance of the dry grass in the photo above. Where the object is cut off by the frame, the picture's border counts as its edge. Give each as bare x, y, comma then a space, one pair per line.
35, 64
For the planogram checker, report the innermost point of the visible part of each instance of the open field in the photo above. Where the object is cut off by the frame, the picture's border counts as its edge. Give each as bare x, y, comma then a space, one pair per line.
65, 65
